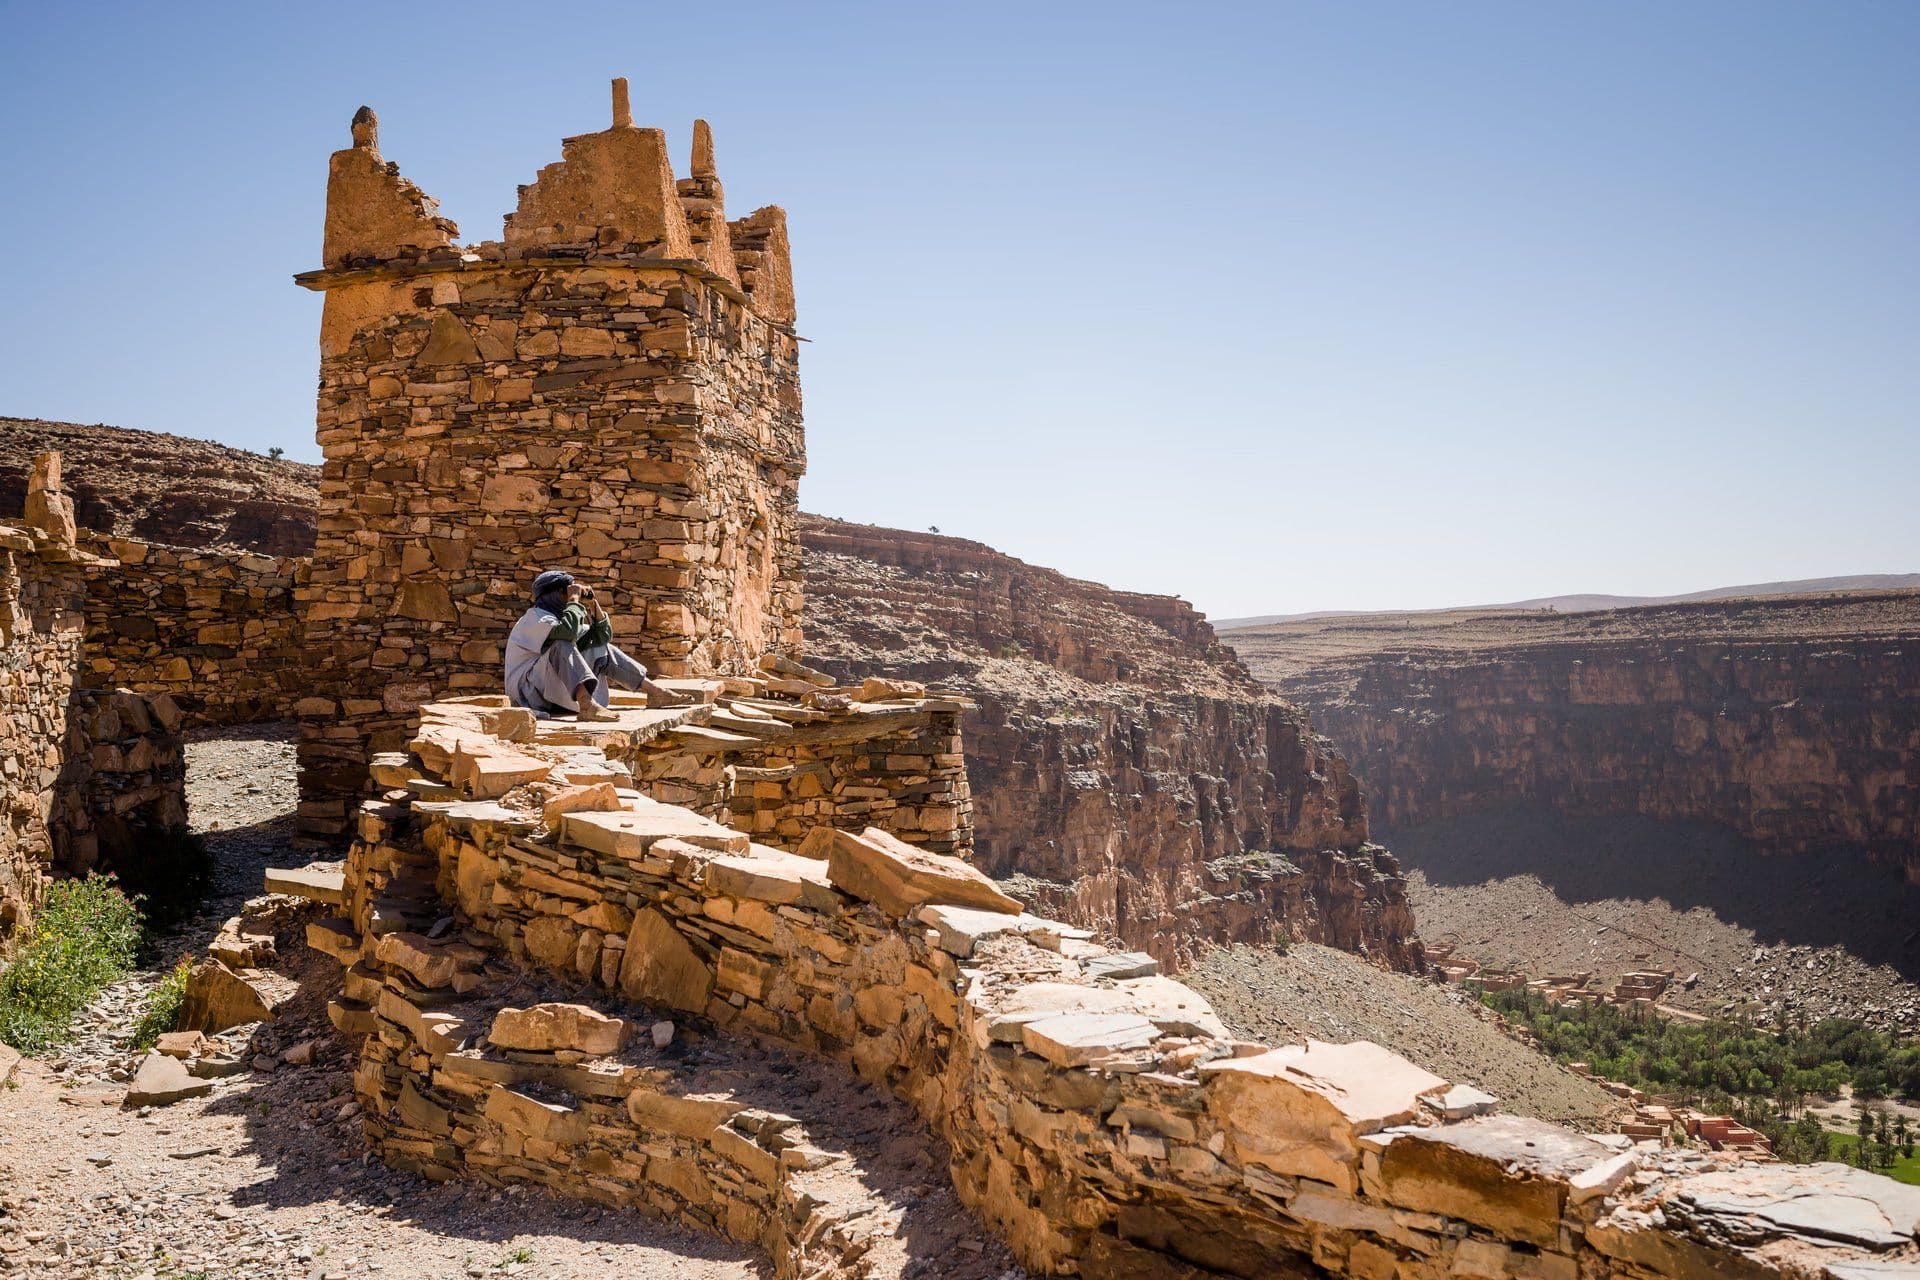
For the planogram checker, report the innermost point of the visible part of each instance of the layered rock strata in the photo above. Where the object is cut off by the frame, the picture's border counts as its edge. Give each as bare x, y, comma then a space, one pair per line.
1792, 720
1125, 768
1093, 1112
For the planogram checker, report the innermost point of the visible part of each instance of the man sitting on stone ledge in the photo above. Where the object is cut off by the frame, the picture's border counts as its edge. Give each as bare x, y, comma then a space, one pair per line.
561, 657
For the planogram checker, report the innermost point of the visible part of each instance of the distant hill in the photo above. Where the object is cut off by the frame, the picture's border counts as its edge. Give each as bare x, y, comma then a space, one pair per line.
1591, 602
167, 488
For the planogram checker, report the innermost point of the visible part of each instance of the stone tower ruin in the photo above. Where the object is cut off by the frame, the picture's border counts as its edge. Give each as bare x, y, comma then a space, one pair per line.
613, 387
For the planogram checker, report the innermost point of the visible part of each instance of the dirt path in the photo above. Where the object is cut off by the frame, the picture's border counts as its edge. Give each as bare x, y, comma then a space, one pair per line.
267, 1178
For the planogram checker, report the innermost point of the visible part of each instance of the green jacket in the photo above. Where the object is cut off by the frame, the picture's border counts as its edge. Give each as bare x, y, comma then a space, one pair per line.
573, 625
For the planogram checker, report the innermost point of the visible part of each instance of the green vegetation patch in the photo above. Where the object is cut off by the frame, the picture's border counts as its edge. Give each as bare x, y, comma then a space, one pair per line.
162, 1013
1902, 1166
84, 936
1719, 1058
1761, 1078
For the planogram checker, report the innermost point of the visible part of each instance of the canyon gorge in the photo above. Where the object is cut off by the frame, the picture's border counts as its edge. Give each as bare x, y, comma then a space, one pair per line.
1793, 721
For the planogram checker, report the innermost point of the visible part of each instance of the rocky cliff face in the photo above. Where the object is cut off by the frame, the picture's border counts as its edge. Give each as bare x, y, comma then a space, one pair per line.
164, 488
1794, 721
1125, 768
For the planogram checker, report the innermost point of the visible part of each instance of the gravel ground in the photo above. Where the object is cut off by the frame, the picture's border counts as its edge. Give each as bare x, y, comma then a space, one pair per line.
267, 1177
1316, 992
1819, 935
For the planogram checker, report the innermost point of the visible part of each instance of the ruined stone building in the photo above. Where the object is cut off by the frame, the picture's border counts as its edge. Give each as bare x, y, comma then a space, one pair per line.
86, 774
613, 386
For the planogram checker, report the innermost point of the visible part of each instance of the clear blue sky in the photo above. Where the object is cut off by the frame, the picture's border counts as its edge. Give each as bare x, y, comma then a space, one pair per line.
1279, 306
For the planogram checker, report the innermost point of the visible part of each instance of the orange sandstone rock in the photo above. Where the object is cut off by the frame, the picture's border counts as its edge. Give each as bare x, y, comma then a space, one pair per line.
899, 878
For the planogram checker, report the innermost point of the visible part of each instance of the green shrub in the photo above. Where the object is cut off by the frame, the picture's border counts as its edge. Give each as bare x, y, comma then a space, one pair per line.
162, 1013
84, 936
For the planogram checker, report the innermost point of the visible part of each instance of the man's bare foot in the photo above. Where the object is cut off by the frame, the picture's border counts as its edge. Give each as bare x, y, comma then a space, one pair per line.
588, 709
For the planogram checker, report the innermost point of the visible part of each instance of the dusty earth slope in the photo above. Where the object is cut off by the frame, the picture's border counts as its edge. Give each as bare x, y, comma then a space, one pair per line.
1314, 992
1769, 936
165, 488
1721, 787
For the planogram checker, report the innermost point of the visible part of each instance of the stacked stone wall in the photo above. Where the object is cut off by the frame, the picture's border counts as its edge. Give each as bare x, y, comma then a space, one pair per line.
901, 770
42, 594
215, 631
122, 785
85, 776
1095, 1113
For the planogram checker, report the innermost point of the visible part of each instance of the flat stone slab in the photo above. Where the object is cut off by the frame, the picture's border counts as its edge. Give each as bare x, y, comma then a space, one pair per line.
162, 1080
960, 928
1510, 1174
1821, 1202
1370, 1087
1040, 1000
546, 1027
630, 727
581, 798
336, 938
182, 1044
1869, 1269
882, 869
463, 814
766, 874
1176, 1009
1463, 1101
431, 964
629, 833
317, 882
1301, 1110
1120, 964
1075, 1039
